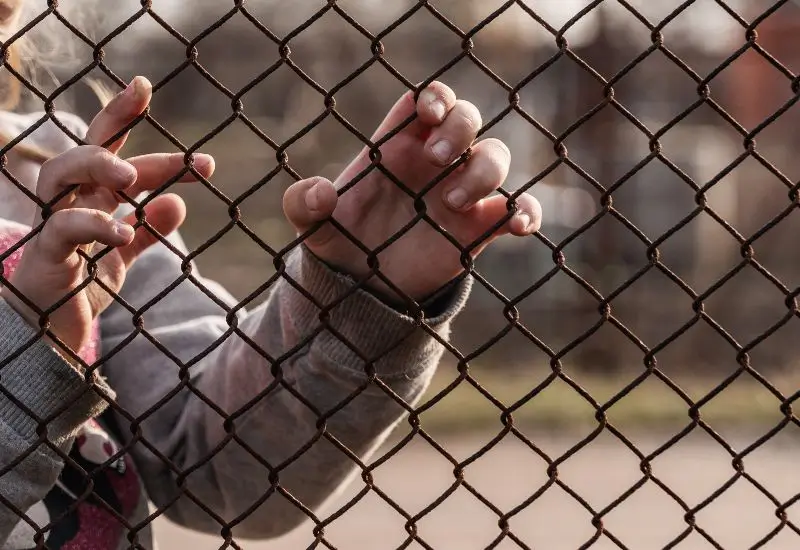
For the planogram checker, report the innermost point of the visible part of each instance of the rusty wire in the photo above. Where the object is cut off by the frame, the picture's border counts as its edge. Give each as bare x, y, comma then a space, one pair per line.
560, 265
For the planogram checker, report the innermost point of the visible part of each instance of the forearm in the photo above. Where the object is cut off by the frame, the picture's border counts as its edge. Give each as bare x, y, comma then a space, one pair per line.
286, 389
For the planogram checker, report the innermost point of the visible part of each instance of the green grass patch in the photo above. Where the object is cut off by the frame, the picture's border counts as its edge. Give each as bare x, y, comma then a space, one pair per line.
558, 405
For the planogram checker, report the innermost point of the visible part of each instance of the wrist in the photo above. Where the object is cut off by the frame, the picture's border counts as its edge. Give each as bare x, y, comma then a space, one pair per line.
374, 286
20, 308
33, 319
431, 305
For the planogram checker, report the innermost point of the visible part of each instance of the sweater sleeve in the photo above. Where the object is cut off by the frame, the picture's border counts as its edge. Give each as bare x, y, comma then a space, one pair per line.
254, 419
43, 398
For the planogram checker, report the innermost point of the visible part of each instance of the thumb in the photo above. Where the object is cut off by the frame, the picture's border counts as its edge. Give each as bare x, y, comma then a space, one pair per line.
308, 202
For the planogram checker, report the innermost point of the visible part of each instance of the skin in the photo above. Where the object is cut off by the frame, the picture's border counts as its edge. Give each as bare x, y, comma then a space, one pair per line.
422, 261
418, 263
50, 267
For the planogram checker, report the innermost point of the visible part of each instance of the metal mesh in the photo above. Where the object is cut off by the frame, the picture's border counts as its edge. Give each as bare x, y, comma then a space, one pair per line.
606, 82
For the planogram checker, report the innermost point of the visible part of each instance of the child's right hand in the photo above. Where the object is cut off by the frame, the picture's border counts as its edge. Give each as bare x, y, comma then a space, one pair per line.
50, 267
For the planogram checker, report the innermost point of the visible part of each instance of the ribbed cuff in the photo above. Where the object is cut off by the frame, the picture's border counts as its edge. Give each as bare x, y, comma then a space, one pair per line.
44, 382
379, 333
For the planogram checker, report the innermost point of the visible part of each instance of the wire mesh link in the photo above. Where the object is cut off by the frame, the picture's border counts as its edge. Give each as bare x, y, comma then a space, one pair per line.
602, 297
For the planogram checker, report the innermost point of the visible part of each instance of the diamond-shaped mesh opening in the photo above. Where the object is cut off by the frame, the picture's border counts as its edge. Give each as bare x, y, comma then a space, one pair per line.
622, 377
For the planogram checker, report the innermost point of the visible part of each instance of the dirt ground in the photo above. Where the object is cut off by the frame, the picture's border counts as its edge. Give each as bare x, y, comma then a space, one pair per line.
600, 473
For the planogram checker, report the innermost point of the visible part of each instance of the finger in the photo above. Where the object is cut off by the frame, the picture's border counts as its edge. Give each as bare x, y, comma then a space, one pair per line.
164, 214
66, 230
526, 220
309, 202
432, 106
484, 173
120, 111
155, 170
85, 165
450, 139
434, 103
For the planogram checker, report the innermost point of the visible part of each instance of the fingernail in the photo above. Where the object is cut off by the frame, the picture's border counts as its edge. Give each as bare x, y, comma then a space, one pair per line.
136, 88
312, 198
436, 105
439, 109
442, 150
123, 229
525, 218
201, 160
457, 198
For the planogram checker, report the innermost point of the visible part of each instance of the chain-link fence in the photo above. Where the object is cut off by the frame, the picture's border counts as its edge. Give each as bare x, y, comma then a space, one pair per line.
627, 371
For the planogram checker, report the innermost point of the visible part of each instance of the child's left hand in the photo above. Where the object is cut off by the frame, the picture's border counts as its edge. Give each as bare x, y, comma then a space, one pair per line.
50, 268
421, 261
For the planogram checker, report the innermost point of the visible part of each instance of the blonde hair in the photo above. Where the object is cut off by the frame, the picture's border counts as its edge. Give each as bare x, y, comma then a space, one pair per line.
12, 94
21, 57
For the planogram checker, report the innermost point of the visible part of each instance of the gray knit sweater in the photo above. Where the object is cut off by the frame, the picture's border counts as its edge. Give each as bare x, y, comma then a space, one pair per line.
264, 470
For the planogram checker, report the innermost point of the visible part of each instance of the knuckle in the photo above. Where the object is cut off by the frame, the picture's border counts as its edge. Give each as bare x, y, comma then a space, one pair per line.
469, 116
497, 150
101, 162
491, 176
87, 151
492, 163
98, 217
58, 167
52, 168
103, 157
58, 224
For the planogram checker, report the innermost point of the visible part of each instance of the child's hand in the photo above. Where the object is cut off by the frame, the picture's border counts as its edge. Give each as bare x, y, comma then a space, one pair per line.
421, 261
50, 267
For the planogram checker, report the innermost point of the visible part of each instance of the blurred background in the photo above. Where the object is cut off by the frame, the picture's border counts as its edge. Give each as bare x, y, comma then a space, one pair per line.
698, 258
701, 148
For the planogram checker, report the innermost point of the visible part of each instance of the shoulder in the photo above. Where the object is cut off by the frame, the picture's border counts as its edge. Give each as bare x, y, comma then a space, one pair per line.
44, 132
